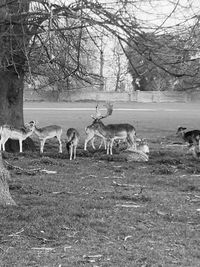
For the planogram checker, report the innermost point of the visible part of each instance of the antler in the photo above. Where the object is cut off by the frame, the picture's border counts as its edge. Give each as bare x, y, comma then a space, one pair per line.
109, 108
98, 115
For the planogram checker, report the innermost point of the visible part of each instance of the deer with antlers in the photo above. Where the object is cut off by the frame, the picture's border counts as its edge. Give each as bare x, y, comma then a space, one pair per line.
7, 131
112, 132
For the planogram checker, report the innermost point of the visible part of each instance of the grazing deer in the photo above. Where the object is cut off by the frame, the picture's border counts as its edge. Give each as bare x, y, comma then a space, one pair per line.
113, 132
191, 137
7, 131
47, 132
72, 142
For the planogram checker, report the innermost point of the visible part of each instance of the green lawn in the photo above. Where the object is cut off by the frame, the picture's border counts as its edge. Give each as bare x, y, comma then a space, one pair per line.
101, 210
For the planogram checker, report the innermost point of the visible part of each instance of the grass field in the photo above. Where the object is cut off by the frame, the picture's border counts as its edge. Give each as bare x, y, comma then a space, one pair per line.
92, 212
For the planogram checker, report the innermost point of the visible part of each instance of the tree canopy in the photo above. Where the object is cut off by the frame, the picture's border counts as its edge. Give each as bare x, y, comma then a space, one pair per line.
60, 37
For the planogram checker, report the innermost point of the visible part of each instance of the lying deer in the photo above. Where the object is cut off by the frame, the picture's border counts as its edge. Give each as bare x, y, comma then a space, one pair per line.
72, 142
112, 132
191, 137
7, 131
47, 132
141, 153
143, 146
195, 152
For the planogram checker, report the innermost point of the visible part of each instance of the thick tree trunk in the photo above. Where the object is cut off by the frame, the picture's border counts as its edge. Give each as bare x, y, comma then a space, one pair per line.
11, 107
14, 42
11, 99
5, 197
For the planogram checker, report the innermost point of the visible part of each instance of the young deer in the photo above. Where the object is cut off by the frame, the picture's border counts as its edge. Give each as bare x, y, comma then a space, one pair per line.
191, 137
72, 142
47, 132
112, 132
7, 131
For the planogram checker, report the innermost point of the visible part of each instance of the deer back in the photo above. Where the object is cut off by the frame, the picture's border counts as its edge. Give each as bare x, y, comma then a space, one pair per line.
114, 130
8, 131
48, 131
72, 135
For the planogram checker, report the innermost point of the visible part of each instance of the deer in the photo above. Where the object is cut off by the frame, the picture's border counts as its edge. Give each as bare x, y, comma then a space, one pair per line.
47, 132
91, 133
195, 152
191, 137
7, 131
112, 132
72, 142
142, 146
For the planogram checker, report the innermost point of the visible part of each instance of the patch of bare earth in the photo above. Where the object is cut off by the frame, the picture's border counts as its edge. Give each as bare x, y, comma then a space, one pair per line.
103, 211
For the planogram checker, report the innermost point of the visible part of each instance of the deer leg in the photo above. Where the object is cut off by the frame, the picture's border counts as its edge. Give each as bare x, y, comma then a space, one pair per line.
85, 145
3, 144
104, 140
88, 138
107, 146
20, 146
3, 141
92, 142
60, 144
71, 152
74, 152
101, 143
42, 142
111, 146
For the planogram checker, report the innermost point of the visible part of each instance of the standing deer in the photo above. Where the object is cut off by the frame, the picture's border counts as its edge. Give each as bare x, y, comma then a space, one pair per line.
112, 132
47, 132
7, 131
72, 142
91, 132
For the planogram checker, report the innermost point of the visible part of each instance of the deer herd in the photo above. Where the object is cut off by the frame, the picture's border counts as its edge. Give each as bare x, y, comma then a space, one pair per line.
109, 134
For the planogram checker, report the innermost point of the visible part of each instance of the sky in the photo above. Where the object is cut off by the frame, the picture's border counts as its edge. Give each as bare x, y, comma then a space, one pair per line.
167, 13
157, 12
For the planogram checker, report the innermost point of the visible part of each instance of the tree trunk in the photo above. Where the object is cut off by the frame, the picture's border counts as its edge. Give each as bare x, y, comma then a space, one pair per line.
11, 99
14, 43
5, 197
11, 107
